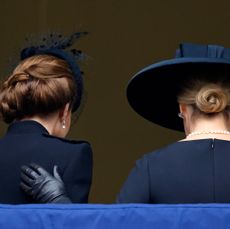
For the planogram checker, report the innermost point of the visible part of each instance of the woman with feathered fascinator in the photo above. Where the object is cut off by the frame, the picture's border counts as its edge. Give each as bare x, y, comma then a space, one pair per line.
37, 101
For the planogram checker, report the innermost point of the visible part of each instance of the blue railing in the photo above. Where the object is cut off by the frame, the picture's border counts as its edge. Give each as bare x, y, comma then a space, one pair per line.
115, 216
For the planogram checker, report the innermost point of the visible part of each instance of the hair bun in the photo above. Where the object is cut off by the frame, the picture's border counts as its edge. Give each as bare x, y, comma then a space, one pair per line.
39, 85
16, 78
211, 99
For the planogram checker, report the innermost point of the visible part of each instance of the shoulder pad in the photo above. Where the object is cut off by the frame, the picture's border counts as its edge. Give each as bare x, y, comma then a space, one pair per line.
66, 140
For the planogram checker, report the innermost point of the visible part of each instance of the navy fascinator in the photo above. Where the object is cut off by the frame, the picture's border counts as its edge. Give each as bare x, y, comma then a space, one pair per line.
60, 47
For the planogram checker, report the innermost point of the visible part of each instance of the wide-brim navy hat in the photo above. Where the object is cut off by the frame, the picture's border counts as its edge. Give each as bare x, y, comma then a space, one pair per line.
152, 92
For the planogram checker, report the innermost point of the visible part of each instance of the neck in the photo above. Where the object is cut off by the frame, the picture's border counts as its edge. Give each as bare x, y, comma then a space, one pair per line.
217, 122
209, 127
48, 122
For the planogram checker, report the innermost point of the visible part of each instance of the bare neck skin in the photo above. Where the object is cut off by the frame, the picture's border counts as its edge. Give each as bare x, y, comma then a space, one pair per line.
199, 123
54, 122
49, 122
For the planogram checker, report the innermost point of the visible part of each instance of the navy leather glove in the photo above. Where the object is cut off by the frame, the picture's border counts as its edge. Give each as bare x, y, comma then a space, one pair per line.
42, 186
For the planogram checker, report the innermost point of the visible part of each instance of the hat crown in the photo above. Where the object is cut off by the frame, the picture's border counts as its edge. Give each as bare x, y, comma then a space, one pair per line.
202, 51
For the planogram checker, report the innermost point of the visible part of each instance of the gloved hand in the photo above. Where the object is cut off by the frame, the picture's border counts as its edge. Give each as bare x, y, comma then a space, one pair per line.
42, 186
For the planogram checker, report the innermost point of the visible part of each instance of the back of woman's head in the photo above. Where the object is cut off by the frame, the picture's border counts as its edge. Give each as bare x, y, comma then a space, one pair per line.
206, 96
39, 85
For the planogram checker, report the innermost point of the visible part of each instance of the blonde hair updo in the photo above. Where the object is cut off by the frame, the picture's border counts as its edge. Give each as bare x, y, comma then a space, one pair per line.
206, 97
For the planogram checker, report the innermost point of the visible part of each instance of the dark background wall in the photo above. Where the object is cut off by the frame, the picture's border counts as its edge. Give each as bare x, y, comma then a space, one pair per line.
125, 35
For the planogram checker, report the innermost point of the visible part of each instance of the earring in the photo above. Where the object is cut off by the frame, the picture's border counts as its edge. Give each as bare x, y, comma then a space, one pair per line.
63, 124
180, 115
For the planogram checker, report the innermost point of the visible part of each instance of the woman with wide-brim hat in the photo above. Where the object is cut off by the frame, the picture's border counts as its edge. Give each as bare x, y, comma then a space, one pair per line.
190, 93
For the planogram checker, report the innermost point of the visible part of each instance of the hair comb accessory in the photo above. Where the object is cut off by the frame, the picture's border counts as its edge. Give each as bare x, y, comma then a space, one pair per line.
59, 46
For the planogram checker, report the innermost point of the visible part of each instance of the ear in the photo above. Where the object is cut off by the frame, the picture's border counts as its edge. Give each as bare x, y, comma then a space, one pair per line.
63, 112
183, 108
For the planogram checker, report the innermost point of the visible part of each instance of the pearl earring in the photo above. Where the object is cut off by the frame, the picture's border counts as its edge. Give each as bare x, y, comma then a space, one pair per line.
180, 115
63, 124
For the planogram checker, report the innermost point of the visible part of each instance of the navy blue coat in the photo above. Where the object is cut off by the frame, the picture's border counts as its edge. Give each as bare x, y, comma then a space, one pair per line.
28, 141
195, 171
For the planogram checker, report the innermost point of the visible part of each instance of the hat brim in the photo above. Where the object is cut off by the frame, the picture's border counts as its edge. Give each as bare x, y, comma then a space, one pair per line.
152, 92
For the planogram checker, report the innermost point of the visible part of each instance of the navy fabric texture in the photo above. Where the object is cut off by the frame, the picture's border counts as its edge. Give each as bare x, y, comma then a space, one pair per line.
28, 141
211, 216
195, 171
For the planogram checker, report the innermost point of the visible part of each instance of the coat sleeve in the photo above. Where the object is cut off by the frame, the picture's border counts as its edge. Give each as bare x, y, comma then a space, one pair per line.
78, 175
136, 189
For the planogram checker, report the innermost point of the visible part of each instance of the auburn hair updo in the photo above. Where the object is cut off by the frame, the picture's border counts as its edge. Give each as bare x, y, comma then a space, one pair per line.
206, 97
39, 85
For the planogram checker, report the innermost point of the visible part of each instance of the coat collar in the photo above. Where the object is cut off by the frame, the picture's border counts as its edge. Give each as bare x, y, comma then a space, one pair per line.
26, 127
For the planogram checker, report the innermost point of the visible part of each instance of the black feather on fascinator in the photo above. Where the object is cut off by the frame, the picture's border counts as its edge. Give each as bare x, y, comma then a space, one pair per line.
59, 46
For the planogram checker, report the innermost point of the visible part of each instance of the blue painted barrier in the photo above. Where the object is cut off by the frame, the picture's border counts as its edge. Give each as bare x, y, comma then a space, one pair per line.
115, 216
